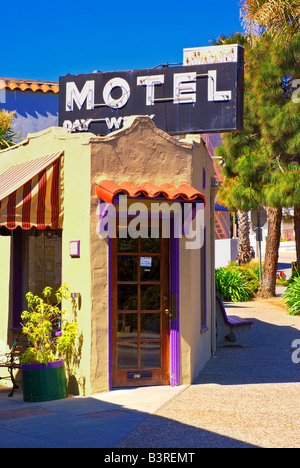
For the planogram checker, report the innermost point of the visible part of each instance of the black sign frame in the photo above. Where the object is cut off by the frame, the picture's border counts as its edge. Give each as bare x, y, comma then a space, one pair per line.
179, 105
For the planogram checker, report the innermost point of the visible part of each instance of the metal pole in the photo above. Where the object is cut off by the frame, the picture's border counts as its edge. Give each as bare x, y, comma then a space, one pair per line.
259, 243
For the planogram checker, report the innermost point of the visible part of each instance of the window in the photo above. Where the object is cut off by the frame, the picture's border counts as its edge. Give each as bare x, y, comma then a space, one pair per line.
37, 264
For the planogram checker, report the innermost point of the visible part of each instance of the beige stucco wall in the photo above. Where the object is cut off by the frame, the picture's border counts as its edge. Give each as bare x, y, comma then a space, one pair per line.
138, 153
143, 153
196, 343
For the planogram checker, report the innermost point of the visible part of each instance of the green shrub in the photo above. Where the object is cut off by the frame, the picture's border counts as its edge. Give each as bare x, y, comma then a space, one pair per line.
38, 325
254, 266
292, 296
295, 274
237, 284
252, 276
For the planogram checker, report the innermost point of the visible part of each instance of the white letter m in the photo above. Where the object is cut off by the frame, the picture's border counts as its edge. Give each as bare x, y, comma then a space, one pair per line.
73, 95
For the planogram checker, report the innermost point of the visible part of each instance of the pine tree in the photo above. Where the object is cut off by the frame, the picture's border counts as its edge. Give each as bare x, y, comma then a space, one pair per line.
240, 190
258, 160
280, 124
231, 151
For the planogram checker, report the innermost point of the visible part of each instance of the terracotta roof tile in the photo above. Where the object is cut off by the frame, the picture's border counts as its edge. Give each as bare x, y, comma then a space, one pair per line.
108, 190
26, 85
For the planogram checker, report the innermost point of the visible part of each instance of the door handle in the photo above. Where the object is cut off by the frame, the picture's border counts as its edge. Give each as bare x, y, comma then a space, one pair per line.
168, 312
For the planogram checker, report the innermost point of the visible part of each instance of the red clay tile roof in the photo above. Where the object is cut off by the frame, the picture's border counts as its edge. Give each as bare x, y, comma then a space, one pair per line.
26, 85
108, 190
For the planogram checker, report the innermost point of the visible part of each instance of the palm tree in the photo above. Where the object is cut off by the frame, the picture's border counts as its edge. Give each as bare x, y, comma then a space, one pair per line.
244, 252
281, 18
235, 38
7, 134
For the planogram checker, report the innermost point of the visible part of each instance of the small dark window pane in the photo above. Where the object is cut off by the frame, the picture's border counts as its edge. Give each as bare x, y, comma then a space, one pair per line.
127, 268
127, 297
127, 356
127, 244
150, 245
150, 297
150, 326
150, 355
127, 326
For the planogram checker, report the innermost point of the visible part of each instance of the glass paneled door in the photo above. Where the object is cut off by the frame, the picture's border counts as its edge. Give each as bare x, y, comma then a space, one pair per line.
140, 311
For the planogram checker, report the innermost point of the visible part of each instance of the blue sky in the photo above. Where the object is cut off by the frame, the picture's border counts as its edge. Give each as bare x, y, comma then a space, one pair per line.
46, 40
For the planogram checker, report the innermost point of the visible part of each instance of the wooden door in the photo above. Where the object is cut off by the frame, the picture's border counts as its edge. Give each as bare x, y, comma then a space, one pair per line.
140, 311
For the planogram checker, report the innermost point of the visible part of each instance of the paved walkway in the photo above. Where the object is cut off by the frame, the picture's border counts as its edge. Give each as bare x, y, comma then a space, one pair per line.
245, 397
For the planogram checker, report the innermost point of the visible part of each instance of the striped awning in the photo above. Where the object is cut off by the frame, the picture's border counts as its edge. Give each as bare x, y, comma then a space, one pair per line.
31, 194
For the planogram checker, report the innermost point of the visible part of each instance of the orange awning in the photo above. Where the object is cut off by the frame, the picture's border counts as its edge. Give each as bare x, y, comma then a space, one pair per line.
108, 190
30, 194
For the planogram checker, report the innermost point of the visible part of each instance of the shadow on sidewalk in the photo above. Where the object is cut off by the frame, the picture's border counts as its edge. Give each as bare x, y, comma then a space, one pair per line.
267, 359
91, 423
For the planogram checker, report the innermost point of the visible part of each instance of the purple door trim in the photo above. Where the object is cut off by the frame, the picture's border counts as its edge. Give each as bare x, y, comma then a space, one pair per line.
174, 326
109, 314
174, 329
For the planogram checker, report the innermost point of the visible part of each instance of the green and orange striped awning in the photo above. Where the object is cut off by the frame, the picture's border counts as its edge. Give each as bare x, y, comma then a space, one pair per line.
31, 194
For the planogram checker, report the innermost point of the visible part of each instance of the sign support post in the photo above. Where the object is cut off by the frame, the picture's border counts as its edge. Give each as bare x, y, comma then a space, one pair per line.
259, 219
259, 238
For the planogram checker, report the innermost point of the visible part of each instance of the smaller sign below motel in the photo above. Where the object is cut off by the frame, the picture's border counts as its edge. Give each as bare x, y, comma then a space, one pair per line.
202, 97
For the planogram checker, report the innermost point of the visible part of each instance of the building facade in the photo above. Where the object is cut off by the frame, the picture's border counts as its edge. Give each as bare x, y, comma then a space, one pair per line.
90, 212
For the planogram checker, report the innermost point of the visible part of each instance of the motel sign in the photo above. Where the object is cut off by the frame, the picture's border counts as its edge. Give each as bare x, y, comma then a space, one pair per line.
194, 98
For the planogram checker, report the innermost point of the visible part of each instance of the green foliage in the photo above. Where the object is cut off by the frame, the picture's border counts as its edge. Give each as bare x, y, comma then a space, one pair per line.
237, 284
66, 341
254, 266
262, 163
251, 276
292, 296
7, 134
235, 38
38, 326
279, 18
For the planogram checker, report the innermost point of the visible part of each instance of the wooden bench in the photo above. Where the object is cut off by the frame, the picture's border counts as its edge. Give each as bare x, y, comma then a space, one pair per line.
11, 360
231, 330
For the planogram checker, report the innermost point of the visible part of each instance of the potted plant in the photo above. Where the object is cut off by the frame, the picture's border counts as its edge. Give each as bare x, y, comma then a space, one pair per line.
49, 337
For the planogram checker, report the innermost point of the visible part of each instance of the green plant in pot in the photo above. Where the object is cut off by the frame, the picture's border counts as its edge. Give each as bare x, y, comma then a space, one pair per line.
49, 337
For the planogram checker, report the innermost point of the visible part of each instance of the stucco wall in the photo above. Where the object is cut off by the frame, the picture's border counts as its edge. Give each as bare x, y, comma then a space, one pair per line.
143, 153
138, 153
196, 342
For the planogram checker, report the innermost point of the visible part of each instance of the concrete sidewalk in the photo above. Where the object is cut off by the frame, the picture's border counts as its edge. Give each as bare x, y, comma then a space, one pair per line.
99, 421
245, 397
